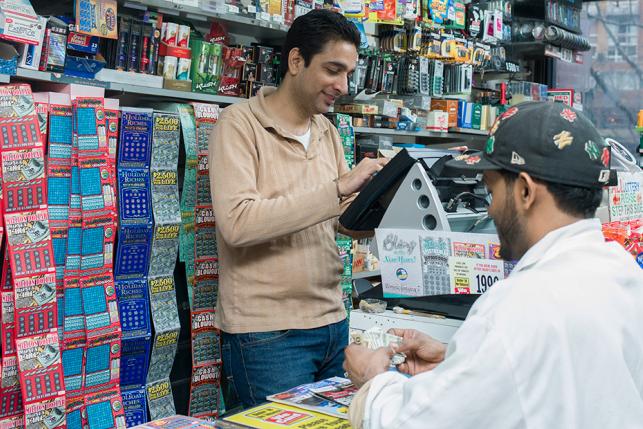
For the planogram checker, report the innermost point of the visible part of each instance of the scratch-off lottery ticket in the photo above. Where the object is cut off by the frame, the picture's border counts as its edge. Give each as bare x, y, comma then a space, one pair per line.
204, 391
160, 400
205, 339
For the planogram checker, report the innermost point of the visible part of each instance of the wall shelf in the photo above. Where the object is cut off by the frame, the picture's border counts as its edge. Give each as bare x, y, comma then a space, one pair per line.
40, 76
236, 22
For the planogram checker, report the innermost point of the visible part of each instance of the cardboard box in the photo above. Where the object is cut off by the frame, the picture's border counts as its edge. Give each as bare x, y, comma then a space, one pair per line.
75, 91
388, 107
476, 116
484, 117
448, 106
266, 73
19, 22
174, 51
363, 109
177, 85
82, 67
264, 54
437, 121
418, 102
30, 54
206, 66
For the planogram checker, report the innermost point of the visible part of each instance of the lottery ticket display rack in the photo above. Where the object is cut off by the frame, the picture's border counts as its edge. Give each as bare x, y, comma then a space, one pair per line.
95, 224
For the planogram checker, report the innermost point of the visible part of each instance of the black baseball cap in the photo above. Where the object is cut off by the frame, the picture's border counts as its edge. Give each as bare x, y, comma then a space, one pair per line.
548, 140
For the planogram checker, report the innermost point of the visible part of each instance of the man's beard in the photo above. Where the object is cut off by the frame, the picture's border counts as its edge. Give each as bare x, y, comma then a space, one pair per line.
510, 231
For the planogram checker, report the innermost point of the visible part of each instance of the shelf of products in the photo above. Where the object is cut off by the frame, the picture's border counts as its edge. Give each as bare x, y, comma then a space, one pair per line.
454, 133
166, 310
537, 49
260, 28
388, 131
41, 76
469, 131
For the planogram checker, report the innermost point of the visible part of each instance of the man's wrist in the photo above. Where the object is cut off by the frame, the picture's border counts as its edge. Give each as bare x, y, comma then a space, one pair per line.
339, 192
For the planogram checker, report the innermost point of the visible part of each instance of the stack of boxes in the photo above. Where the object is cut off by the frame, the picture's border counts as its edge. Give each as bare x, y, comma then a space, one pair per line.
206, 66
260, 69
175, 58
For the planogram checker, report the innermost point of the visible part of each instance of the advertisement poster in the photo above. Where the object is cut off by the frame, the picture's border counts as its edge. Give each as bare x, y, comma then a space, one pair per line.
423, 263
626, 199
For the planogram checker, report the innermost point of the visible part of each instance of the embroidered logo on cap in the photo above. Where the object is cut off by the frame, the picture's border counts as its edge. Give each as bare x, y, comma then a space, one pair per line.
469, 159
509, 113
605, 157
472, 160
563, 139
495, 126
592, 150
604, 176
568, 115
517, 159
490, 145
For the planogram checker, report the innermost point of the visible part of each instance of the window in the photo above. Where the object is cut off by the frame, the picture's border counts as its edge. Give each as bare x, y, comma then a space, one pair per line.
625, 36
610, 80
624, 81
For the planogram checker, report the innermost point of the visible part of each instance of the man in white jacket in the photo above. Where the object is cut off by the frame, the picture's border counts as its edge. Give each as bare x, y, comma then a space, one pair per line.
559, 343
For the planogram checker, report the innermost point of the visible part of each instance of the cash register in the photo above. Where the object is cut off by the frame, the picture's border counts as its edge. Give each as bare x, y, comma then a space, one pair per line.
416, 190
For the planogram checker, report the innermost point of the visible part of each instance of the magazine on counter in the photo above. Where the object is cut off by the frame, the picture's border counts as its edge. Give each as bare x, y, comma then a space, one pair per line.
277, 416
341, 393
331, 396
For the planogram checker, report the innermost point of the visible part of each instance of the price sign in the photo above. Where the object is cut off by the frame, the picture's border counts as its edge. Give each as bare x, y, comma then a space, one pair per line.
468, 275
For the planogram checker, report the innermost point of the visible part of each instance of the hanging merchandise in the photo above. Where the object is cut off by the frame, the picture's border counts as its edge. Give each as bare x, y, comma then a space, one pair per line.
188, 194
30, 348
167, 220
132, 254
59, 170
92, 334
344, 243
385, 12
439, 10
206, 353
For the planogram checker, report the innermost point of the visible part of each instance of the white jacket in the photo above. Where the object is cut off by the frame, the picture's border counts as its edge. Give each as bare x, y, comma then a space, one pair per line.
558, 344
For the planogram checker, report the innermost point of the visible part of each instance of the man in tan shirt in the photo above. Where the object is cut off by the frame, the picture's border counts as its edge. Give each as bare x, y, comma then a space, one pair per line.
279, 182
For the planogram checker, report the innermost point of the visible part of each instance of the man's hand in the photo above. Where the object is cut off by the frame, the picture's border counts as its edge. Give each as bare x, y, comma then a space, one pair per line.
362, 364
423, 353
358, 177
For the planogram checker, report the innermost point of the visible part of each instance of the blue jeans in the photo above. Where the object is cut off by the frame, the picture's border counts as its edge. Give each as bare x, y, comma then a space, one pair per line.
259, 364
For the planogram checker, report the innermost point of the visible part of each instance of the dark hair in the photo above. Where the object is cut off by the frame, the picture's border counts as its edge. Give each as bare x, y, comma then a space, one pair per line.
311, 32
573, 200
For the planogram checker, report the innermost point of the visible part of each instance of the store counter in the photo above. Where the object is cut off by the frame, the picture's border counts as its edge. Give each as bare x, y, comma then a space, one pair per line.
442, 329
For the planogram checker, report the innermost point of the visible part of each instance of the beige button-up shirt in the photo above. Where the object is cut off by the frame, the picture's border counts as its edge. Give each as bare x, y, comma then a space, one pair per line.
276, 208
